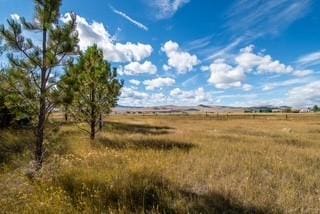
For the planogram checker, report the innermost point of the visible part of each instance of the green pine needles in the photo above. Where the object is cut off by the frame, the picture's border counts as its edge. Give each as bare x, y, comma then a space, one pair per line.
91, 89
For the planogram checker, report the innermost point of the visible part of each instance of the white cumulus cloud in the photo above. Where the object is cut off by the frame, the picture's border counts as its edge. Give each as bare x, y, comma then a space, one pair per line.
247, 87
158, 83
249, 60
135, 82
225, 76
178, 59
129, 93
233, 73
15, 17
190, 97
177, 96
96, 33
305, 95
137, 68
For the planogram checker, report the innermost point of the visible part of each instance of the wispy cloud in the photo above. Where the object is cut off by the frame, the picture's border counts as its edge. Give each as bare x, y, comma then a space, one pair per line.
247, 20
310, 59
225, 50
286, 83
259, 18
199, 43
190, 81
167, 8
124, 15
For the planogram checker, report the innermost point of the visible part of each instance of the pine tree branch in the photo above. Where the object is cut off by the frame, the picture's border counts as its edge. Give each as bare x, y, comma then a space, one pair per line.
27, 99
17, 45
29, 71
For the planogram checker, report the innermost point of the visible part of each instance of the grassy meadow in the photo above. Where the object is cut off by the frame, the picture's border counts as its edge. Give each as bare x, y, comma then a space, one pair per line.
166, 164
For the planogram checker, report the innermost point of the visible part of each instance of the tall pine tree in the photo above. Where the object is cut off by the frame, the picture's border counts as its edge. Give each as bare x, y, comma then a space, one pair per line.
95, 88
41, 61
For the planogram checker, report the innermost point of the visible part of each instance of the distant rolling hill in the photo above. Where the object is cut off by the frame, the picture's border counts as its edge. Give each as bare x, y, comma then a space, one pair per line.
176, 109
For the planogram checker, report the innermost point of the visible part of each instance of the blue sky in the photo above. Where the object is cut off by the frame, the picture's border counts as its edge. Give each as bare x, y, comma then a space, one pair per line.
188, 52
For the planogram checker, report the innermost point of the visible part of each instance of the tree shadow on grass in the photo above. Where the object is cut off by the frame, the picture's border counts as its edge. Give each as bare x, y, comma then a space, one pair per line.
136, 128
145, 192
153, 144
219, 203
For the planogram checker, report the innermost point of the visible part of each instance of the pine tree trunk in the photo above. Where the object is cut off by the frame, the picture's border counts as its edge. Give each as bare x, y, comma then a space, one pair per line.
66, 116
100, 122
93, 114
66, 113
43, 111
40, 133
100, 116
93, 130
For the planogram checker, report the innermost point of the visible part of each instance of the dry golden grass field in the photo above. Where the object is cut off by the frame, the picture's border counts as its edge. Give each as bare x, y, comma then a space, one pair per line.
167, 164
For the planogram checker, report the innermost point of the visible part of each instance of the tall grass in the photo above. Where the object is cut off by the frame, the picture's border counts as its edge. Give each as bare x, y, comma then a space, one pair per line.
171, 165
